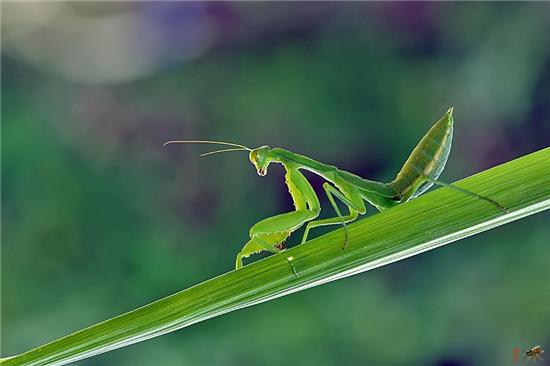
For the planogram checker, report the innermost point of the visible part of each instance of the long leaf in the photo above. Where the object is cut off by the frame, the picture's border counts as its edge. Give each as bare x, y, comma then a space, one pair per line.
430, 221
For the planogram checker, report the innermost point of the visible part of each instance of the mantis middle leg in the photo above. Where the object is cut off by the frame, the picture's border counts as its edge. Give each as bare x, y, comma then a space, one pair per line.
269, 233
355, 205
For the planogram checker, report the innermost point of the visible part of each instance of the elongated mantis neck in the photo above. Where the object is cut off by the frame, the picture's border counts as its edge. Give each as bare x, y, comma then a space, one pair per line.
300, 161
330, 172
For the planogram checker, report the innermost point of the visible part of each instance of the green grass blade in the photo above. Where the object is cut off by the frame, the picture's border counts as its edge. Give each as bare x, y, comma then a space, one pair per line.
430, 221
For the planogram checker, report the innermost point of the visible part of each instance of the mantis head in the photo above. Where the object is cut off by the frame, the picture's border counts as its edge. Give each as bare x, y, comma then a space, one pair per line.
261, 158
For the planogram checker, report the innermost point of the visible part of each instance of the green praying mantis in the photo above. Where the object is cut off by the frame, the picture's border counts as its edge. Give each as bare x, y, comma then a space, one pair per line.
420, 171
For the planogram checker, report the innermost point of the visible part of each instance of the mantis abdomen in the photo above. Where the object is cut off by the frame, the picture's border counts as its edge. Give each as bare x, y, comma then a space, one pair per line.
427, 160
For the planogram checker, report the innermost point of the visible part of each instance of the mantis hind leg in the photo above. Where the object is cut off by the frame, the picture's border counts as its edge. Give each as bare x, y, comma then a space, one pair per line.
469, 193
355, 205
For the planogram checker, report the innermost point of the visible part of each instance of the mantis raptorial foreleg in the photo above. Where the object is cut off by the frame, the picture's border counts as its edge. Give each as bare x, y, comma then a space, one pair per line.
354, 203
270, 233
255, 245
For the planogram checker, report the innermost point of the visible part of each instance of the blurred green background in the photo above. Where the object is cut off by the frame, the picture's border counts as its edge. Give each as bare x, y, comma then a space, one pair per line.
98, 218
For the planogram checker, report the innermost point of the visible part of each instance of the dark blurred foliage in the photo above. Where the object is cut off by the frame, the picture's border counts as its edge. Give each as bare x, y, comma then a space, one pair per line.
98, 218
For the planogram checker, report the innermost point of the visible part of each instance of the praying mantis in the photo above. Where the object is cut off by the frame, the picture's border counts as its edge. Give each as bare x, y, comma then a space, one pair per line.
420, 171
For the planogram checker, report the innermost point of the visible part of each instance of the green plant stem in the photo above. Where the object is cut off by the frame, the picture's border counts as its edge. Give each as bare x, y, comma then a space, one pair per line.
435, 219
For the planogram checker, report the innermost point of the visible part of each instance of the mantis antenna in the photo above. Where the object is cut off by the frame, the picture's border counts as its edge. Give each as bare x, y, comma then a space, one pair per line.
222, 151
206, 142
237, 147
